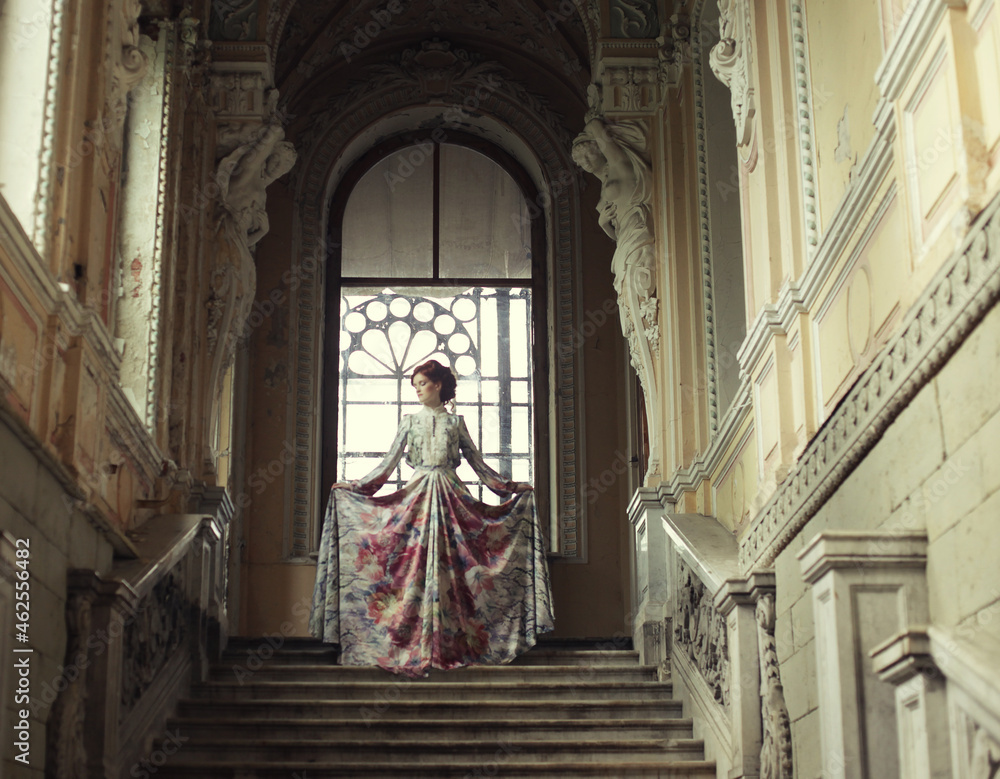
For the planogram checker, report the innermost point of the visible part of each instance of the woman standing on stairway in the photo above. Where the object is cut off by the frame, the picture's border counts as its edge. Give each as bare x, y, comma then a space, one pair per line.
427, 576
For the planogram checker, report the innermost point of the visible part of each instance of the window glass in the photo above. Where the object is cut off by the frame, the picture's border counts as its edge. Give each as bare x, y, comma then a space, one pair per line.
485, 230
388, 223
383, 338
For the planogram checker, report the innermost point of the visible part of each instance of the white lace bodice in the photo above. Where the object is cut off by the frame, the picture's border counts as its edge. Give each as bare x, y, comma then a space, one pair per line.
433, 438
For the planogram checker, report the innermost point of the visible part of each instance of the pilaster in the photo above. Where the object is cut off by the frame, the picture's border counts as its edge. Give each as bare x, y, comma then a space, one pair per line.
867, 587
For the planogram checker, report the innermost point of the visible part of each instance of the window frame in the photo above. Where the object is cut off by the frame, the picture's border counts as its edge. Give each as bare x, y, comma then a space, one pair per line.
334, 285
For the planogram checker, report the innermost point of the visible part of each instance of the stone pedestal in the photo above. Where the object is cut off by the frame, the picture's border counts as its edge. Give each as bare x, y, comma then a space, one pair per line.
650, 549
867, 587
921, 706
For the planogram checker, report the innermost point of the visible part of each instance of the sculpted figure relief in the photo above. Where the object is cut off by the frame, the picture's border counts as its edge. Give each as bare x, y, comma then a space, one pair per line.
243, 176
616, 154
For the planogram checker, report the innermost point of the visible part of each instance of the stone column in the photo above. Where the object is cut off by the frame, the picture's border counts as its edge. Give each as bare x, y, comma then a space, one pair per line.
650, 541
905, 662
867, 587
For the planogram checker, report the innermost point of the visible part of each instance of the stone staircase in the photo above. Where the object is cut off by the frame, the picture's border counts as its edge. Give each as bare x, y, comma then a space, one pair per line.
292, 713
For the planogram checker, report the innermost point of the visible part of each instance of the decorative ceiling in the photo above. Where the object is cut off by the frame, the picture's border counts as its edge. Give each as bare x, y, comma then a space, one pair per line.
546, 43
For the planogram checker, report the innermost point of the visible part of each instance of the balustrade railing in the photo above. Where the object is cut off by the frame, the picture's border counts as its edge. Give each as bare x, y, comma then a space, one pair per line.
136, 640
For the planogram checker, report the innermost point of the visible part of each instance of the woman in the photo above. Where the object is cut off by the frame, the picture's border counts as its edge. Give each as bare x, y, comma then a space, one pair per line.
427, 576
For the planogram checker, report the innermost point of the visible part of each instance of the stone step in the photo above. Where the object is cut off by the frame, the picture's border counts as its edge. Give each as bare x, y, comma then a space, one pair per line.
177, 767
426, 730
412, 708
394, 689
246, 673
461, 751
284, 651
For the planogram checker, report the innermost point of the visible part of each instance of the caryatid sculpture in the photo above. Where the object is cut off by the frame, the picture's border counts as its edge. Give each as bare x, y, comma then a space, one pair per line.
242, 177
616, 154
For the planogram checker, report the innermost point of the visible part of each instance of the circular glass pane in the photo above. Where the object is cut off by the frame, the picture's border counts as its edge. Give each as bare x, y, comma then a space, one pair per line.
376, 311
465, 365
444, 324
423, 311
355, 322
459, 343
464, 309
400, 307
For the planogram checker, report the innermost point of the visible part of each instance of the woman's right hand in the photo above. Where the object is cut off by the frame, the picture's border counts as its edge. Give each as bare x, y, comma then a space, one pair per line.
341, 485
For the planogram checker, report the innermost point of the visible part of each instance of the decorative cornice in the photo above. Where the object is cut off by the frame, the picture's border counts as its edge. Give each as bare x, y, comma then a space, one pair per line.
856, 550
744, 592
960, 295
703, 466
121, 544
916, 30
800, 296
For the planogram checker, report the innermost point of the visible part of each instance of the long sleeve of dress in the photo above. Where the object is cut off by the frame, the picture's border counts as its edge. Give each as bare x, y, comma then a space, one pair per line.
370, 483
487, 475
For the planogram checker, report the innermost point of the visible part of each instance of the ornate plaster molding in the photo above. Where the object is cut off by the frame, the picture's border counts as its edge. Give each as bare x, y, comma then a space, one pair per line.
126, 65
705, 225
803, 100
800, 296
168, 29
960, 295
920, 21
389, 91
732, 62
734, 428
53, 82
633, 18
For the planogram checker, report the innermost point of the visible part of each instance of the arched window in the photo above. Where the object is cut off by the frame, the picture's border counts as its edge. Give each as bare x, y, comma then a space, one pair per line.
436, 257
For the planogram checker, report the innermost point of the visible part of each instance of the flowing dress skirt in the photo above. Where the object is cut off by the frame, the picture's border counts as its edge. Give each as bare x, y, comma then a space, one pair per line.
429, 577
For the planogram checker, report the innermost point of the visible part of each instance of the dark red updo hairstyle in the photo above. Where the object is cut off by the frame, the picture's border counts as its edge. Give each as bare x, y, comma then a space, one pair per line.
437, 372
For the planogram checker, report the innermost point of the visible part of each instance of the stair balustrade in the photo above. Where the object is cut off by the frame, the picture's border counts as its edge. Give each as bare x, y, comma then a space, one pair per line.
137, 640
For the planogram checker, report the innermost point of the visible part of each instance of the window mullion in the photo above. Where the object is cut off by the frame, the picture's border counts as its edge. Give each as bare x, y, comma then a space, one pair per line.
436, 207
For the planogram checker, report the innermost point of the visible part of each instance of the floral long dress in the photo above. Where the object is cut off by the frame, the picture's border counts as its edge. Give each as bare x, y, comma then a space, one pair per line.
427, 576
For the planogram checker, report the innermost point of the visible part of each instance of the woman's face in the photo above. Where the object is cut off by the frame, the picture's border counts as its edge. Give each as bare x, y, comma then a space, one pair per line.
428, 392
588, 156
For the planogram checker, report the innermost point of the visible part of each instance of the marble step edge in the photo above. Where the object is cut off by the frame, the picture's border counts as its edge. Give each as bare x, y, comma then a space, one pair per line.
415, 702
500, 670
577, 768
221, 746
427, 684
553, 724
